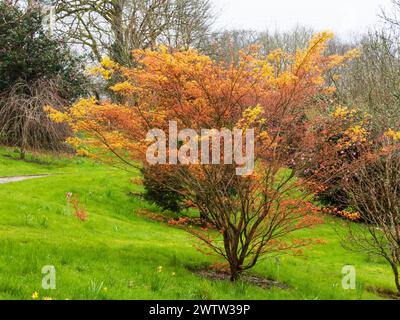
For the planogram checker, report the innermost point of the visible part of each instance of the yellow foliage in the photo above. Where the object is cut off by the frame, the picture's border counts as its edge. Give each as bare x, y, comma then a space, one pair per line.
74, 142
357, 134
107, 63
82, 152
250, 116
394, 135
123, 87
80, 108
55, 115
341, 112
106, 68
304, 59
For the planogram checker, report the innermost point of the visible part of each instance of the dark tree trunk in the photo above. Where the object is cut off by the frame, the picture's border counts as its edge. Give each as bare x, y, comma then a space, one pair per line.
396, 276
203, 216
236, 272
22, 154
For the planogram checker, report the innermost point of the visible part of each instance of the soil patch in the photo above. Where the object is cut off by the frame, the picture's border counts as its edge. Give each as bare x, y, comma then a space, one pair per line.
258, 281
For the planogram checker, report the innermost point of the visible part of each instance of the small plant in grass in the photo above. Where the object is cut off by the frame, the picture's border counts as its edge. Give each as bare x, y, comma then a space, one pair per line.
29, 218
44, 222
96, 288
157, 280
78, 210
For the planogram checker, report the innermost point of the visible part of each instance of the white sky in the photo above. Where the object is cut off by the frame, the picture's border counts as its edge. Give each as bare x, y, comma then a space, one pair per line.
340, 16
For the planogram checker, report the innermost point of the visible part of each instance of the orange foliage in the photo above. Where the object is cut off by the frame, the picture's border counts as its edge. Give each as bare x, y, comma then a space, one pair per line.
199, 93
79, 211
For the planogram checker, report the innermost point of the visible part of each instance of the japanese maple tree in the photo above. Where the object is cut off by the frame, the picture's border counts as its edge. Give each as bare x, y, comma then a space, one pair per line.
275, 95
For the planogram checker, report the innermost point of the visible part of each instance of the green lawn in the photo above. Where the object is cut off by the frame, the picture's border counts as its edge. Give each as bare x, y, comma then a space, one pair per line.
116, 254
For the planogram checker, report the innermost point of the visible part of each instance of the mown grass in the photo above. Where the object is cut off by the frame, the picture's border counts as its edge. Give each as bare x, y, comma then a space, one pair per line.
11, 165
116, 253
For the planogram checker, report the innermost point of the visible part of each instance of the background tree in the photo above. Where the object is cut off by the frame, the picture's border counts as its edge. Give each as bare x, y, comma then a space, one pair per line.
116, 27
370, 84
35, 70
226, 45
373, 191
372, 81
392, 16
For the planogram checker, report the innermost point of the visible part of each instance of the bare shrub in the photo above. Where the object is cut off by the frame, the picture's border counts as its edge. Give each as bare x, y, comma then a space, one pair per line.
373, 190
24, 124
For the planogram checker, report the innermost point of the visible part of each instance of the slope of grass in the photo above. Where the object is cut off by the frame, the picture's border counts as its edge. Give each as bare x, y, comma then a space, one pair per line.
11, 165
116, 254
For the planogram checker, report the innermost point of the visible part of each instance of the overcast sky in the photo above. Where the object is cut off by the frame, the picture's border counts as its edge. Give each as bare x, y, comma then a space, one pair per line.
341, 16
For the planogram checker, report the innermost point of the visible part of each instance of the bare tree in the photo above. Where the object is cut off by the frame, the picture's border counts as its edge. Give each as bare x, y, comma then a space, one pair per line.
288, 41
372, 82
392, 16
190, 24
116, 27
373, 190
225, 45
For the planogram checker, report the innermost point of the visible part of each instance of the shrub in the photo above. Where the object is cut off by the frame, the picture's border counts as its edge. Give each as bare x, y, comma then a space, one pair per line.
372, 190
36, 70
24, 124
340, 137
159, 191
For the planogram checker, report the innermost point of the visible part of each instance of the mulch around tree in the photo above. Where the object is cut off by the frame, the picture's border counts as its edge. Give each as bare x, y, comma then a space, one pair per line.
258, 281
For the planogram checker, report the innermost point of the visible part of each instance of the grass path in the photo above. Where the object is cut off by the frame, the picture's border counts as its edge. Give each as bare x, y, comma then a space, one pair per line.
116, 253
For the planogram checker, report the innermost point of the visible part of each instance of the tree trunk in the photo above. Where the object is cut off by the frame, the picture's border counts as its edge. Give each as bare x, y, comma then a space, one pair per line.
204, 216
24, 138
396, 276
236, 272
22, 153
